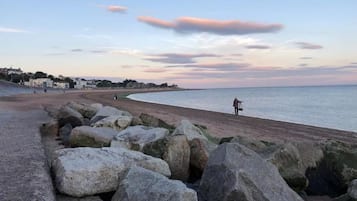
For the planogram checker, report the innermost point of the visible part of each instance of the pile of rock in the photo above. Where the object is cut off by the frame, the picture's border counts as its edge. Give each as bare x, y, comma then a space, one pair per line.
144, 158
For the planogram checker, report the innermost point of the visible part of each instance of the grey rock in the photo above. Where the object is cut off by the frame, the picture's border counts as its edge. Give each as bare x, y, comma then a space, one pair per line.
117, 122
292, 160
139, 184
191, 131
88, 171
234, 172
68, 115
175, 150
85, 136
67, 198
107, 111
352, 189
149, 120
136, 121
200, 147
200, 150
136, 137
97, 106
50, 128
64, 133
87, 111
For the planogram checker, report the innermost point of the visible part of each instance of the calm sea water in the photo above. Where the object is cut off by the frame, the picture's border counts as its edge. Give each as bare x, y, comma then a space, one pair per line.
325, 106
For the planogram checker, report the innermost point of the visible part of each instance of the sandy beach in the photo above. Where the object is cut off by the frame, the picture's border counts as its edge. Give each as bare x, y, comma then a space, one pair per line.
218, 124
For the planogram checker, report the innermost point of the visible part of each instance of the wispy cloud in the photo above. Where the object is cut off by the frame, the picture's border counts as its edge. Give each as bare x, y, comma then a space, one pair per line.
173, 58
262, 47
12, 30
237, 55
77, 50
303, 65
155, 70
220, 27
305, 58
305, 45
353, 63
116, 9
214, 66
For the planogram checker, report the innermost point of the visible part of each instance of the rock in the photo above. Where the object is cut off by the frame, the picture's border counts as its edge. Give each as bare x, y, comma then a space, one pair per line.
85, 136
136, 137
117, 122
234, 172
136, 121
190, 130
335, 171
66, 198
175, 150
97, 106
200, 150
68, 115
64, 134
50, 128
200, 147
149, 120
86, 111
351, 194
287, 158
352, 189
88, 171
107, 111
139, 184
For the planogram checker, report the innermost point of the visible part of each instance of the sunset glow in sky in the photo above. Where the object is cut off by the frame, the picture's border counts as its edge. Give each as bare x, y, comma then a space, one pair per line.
195, 44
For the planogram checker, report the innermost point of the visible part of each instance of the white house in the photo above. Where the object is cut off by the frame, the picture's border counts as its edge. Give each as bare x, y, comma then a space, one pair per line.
40, 82
61, 85
84, 84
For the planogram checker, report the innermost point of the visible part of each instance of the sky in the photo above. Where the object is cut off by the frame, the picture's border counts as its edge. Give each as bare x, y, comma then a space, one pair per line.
195, 44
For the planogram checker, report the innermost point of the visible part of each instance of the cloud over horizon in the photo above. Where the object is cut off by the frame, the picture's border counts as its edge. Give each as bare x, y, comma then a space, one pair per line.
11, 30
186, 25
116, 9
261, 47
174, 58
311, 46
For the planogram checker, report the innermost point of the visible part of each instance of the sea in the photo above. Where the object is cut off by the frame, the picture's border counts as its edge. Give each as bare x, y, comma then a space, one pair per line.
324, 106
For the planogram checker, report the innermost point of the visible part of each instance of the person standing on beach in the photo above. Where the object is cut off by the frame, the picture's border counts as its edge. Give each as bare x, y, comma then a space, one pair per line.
236, 104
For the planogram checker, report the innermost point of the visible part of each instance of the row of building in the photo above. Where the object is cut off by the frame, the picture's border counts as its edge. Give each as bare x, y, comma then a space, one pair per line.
48, 83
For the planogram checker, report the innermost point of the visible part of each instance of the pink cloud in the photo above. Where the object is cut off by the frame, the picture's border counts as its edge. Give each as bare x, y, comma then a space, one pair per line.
116, 9
220, 27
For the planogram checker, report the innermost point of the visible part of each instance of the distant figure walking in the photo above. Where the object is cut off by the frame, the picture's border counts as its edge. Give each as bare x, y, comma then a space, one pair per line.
115, 97
237, 106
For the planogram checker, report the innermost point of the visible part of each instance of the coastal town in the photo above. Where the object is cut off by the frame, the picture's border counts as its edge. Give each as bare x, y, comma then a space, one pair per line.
43, 80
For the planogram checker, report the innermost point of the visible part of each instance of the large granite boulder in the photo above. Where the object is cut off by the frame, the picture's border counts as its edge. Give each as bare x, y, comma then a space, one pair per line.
200, 150
136, 137
64, 133
67, 198
234, 172
117, 122
97, 106
292, 160
86, 110
351, 194
335, 171
199, 145
68, 115
88, 171
191, 131
86, 136
50, 128
151, 121
139, 184
107, 111
175, 150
